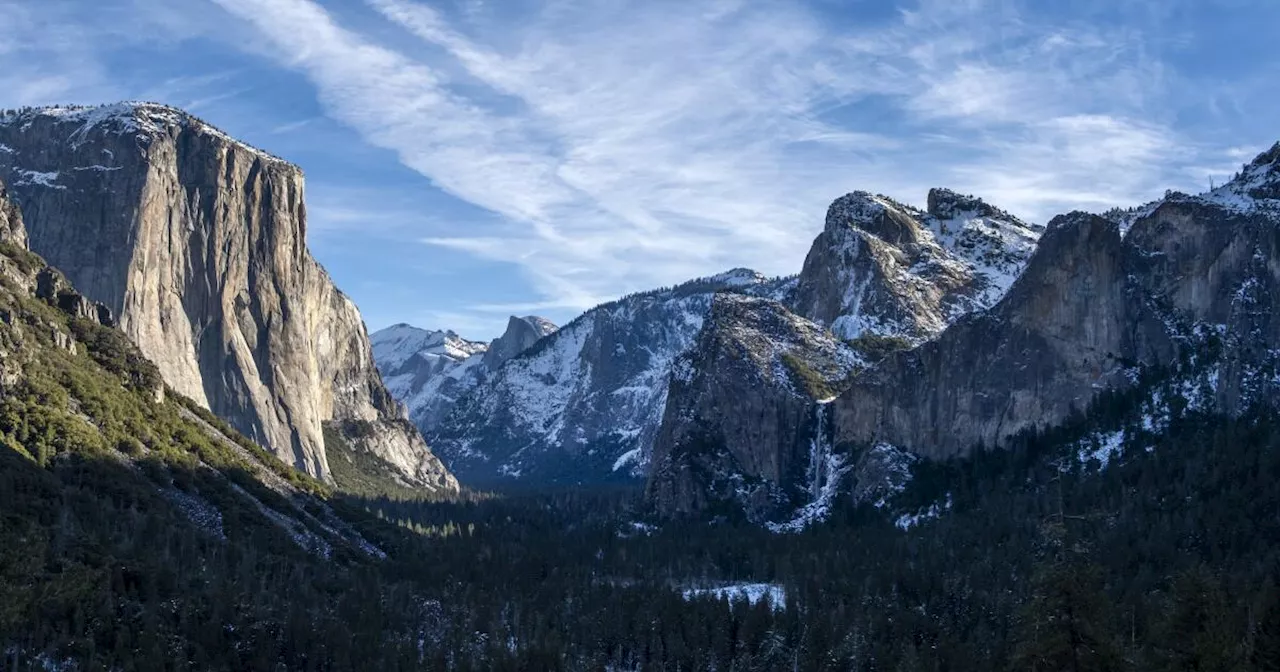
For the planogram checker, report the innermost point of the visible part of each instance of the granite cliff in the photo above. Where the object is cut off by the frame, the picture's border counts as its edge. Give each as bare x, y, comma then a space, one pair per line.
197, 243
1183, 291
881, 276
751, 379
1183, 279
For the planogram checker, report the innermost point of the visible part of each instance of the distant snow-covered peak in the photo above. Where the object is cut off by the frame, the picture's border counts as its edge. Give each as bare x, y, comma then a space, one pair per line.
397, 344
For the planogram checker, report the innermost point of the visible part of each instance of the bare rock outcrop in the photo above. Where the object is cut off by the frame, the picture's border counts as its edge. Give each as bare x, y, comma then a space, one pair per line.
197, 243
1181, 279
738, 425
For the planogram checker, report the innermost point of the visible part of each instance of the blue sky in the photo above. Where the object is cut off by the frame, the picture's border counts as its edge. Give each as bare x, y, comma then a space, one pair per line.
468, 159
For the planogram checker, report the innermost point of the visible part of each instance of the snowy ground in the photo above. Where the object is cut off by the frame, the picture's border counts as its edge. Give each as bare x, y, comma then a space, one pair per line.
736, 592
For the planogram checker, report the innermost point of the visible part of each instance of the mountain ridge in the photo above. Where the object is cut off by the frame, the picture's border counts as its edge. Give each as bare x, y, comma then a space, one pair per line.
1103, 301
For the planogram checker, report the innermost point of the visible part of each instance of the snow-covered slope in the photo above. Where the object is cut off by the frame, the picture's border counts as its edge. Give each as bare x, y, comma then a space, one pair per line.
587, 403
429, 370
397, 344
883, 268
584, 403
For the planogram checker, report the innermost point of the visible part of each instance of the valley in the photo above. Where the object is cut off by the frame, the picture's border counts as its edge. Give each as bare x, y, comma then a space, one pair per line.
953, 440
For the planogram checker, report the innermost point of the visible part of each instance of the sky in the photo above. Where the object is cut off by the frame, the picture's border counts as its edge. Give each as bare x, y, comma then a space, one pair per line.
471, 159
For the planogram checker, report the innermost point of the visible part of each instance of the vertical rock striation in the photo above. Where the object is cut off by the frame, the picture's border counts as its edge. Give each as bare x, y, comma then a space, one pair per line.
197, 243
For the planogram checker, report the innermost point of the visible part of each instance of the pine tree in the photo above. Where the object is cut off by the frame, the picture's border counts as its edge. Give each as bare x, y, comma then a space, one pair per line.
1066, 625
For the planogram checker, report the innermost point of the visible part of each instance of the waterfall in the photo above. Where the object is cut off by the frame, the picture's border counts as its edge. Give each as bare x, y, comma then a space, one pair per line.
819, 453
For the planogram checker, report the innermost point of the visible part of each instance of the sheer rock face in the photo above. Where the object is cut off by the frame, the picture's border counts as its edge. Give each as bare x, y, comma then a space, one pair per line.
879, 268
12, 230
1089, 310
1069, 324
738, 421
521, 334
197, 243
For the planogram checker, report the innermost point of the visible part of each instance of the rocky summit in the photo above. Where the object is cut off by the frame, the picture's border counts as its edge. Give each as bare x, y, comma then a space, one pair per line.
197, 242
880, 277
1184, 289
880, 267
1102, 300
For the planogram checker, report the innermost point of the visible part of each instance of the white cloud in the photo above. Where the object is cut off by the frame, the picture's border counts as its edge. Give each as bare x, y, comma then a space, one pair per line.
621, 146
622, 158
635, 145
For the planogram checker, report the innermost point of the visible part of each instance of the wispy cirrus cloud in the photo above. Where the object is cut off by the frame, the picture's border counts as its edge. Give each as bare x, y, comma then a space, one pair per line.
603, 147
620, 158
634, 145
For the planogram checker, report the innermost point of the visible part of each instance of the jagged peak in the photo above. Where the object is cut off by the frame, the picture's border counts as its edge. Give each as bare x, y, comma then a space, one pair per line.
944, 203
141, 117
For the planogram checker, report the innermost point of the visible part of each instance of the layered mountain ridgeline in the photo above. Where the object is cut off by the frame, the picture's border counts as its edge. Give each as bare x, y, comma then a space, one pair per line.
1187, 279
583, 404
883, 276
141, 532
197, 242
588, 403
1182, 290
430, 370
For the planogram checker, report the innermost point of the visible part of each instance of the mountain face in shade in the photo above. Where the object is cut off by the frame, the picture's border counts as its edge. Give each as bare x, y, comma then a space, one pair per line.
1184, 290
583, 404
881, 276
750, 380
197, 242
